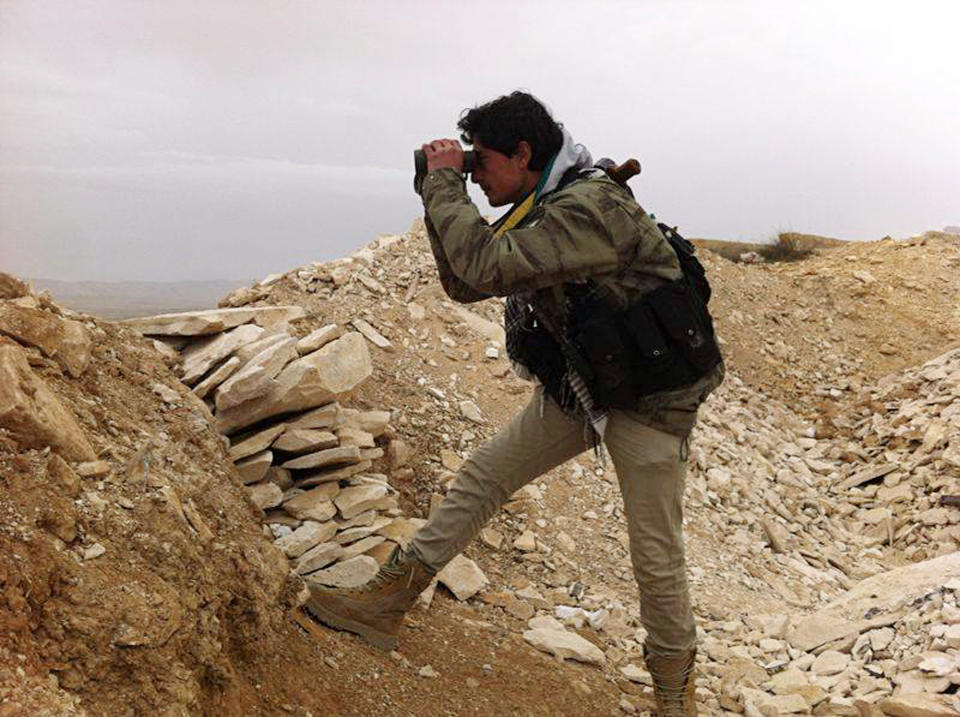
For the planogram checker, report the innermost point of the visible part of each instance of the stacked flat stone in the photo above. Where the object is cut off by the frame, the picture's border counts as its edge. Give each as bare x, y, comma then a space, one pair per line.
305, 459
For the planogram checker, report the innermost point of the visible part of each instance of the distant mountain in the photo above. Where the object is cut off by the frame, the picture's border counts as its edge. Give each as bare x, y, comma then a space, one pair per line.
123, 299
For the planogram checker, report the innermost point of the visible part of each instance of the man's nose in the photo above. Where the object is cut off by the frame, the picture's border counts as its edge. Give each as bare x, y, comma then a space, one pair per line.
475, 175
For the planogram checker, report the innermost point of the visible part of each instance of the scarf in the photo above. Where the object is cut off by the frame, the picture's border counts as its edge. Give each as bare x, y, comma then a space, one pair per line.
570, 156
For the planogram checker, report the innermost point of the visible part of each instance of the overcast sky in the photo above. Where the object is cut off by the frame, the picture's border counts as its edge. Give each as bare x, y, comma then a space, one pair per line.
199, 140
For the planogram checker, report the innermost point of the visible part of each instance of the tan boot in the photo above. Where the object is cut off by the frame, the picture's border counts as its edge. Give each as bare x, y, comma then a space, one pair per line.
374, 611
673, 683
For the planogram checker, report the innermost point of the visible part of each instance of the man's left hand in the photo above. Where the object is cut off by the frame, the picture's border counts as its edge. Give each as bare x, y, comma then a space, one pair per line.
443, 153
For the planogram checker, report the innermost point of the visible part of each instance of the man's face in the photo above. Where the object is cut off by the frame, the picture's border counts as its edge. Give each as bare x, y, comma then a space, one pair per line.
504, 179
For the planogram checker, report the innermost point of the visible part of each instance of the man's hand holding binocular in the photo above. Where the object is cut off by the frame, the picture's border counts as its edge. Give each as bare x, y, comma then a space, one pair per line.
443, 153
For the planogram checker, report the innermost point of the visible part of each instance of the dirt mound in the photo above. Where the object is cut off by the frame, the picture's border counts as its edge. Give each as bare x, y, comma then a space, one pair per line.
815, 333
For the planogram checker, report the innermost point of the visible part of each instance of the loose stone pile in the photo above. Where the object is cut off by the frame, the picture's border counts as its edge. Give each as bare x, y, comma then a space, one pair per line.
307, 461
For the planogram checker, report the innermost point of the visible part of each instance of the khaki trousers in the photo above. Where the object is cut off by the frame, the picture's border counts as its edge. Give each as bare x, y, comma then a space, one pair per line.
650, 470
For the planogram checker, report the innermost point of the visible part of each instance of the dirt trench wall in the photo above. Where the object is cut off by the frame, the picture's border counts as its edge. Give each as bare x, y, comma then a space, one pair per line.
140, 582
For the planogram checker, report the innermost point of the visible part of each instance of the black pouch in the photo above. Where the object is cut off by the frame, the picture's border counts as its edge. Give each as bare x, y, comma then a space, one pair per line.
602, 344
682, 321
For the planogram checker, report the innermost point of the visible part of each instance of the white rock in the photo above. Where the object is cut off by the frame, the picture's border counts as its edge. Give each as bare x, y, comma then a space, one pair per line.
374, 336
312, 505
308, 535
256, 377
265, 495
254, 468
303, 440
565, 645
318, 338
830, 662
218, 376
201, 323
471, 411
356, 499
527, 542
317, 557
248, 445
312, 380
93, 551
463, 577
545, 622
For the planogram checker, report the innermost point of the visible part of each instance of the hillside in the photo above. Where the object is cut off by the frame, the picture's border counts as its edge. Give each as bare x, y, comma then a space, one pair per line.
139, 571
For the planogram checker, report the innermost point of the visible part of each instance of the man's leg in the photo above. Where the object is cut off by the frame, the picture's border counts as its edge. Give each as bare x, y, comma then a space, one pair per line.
651, 471
527, 447
651, 475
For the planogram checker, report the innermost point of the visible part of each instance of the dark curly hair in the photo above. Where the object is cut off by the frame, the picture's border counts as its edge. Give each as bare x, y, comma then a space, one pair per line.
501, 123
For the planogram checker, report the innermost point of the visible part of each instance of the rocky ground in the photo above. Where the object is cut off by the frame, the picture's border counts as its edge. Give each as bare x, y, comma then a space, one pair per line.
165, 498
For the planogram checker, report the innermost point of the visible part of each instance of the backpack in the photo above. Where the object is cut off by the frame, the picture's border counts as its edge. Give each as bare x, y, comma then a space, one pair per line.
693, 272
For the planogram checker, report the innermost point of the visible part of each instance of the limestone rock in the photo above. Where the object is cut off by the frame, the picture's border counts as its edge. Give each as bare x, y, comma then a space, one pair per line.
326, 457
202, 323
830, 662
312, 380
565, 645
308, 535
326, 475
527, 542
256, 377
265, 495
450, 460
33, 414
350, 573
359, 532
356, 499
317, 557
65, 341
374, 336
207, 353
373, 422
918, 705
463, 577
254, 468
323, 417
492, 538
398, 453
303, 440
362, 546
318, 338
312, 505
471, 411
349, 436
216, 377
255, 442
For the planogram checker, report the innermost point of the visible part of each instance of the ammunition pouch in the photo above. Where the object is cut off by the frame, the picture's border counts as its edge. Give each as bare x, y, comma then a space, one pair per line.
662, 341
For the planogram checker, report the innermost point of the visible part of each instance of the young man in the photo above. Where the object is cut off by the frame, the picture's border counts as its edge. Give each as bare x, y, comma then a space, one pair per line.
572, 235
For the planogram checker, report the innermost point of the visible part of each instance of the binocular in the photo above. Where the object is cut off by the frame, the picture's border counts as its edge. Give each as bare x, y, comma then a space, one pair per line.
420, 165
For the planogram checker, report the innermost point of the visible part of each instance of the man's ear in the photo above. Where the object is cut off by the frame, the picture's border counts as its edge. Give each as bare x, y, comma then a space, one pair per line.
524, 153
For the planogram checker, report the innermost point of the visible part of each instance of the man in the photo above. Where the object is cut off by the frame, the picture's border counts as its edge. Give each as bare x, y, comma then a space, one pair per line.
572, 235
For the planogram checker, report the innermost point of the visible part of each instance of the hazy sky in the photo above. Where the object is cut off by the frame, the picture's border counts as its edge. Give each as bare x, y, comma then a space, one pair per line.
189, 140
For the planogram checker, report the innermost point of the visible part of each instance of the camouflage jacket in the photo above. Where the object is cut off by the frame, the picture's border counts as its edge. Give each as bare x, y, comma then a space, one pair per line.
589, 229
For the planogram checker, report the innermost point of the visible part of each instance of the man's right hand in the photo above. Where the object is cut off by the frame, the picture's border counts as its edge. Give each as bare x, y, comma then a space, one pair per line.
442, 153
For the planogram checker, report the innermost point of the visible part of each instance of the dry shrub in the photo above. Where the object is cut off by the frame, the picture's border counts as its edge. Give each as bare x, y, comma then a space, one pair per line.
787, 246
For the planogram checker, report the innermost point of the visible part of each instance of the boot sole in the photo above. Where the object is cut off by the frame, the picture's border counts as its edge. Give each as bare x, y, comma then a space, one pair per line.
379, 639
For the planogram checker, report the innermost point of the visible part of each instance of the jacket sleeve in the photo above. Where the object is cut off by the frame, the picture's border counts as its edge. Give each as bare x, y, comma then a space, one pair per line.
455, 287
567, 239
